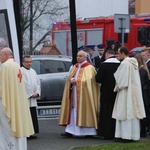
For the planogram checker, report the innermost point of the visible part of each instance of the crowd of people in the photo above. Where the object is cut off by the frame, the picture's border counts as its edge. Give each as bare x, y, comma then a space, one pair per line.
108, 96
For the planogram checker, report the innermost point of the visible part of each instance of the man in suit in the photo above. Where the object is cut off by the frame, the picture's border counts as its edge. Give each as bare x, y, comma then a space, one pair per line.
97, 59
89, 49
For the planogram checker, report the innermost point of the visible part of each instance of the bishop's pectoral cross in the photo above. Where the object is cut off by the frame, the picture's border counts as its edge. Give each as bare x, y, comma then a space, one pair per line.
20, 75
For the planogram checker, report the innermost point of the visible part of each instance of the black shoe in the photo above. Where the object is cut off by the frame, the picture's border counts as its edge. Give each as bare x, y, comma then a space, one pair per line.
126, 141
66, 134
122, 140
89, 136
98, 137
108, 138
32, 137
117, 140
143, 135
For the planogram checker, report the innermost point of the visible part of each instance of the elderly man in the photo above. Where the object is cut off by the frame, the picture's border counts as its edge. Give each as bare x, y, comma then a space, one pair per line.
15, 118
128, 108
79, 107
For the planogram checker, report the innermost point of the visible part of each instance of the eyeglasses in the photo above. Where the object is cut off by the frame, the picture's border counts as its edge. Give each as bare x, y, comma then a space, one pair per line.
27, 61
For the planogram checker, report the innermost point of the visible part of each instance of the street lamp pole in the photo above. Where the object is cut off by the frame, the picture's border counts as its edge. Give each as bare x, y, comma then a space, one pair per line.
17, 10
31, 26
73, 30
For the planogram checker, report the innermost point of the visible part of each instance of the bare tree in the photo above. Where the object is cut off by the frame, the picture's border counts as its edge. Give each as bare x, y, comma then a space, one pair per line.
44, 13
132, 7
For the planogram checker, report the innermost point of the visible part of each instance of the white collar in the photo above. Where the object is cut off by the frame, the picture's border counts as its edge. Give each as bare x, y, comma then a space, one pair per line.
147, 60
80, 64
112, 60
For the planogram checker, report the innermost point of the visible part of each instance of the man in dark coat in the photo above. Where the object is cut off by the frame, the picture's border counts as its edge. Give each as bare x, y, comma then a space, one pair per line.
105, 76
89, 49
146, 56
97, 59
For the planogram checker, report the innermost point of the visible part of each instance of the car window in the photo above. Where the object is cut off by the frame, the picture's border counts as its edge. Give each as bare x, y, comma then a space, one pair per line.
50, 66
36, 66
67, 64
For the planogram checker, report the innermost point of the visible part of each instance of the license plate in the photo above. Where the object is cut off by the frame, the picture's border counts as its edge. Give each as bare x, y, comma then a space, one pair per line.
48, 112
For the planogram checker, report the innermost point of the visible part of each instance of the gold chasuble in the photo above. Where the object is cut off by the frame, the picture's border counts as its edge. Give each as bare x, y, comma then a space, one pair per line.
87, 97
14, 99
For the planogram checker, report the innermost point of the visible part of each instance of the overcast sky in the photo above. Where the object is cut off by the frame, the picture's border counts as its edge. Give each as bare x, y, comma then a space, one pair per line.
96, 8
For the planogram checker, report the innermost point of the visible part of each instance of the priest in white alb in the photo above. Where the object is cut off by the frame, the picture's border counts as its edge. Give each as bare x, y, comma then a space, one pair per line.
33, 89
128, 108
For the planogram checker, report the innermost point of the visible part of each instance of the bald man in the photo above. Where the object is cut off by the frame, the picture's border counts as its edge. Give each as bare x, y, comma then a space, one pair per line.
15, 118
79, 107
5, 54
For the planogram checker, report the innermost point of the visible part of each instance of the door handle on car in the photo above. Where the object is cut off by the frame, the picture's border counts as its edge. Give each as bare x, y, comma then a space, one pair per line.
65, 77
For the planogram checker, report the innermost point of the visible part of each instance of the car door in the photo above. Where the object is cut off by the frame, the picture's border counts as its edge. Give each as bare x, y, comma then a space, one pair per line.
53, 75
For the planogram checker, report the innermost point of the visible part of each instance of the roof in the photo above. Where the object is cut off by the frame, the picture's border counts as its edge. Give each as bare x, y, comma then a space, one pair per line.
49, 49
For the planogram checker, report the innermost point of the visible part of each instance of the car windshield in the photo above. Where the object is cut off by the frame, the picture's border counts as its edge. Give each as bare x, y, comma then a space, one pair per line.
50, 66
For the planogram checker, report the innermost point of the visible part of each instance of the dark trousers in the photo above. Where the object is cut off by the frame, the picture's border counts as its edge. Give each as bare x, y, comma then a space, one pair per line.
34, 119
143, 124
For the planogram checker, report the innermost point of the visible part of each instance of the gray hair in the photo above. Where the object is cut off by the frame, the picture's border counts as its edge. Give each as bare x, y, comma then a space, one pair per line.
83, 53
7, 51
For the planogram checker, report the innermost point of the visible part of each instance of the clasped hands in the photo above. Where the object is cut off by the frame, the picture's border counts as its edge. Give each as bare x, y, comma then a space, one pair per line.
73, 81
35, 95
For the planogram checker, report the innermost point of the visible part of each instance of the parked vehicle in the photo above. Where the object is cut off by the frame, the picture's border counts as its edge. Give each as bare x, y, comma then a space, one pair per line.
52, 72
95, 31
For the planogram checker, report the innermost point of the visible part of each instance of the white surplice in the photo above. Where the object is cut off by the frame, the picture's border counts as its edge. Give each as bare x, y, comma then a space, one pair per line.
128, 107
72, 128
32, 84
7, 141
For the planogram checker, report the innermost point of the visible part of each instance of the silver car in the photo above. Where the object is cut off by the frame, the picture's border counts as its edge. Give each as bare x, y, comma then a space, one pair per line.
52, 72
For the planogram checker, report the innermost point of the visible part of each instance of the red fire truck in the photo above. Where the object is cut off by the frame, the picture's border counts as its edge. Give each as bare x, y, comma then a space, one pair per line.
94, 31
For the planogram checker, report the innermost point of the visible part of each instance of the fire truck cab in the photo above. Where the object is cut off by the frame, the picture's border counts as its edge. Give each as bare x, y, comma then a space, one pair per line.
94, 31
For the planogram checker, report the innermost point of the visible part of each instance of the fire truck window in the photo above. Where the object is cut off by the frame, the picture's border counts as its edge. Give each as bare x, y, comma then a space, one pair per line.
144, 36
125, 37
148, 36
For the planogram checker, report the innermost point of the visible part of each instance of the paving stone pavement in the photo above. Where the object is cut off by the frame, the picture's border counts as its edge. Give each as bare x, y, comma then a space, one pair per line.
49, 138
